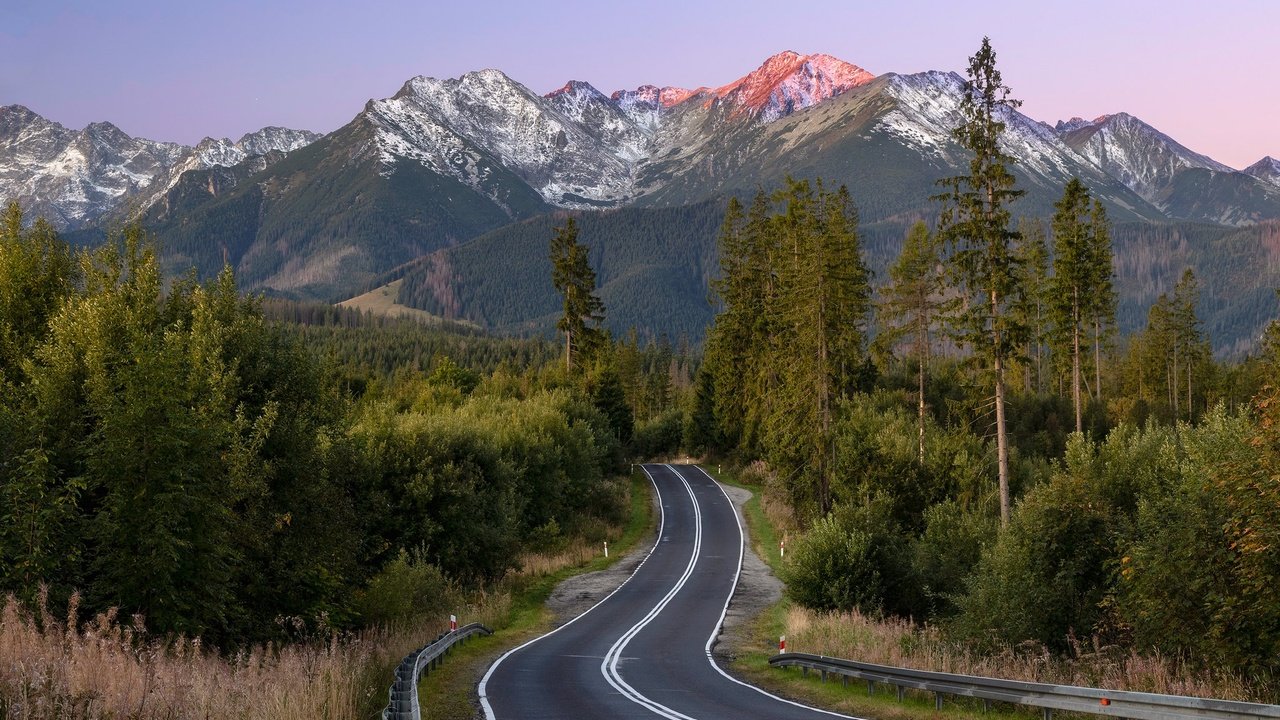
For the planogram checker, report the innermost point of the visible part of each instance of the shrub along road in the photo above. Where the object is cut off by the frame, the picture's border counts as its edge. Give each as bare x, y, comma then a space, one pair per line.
646, 648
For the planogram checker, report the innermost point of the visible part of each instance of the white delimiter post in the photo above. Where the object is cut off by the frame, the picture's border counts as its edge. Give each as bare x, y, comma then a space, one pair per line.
606, 548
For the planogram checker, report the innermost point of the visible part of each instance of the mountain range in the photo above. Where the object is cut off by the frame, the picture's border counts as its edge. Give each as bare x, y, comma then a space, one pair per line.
445, 161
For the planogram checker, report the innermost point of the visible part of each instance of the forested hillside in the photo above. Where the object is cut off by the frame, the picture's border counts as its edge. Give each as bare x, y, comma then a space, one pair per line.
656, 267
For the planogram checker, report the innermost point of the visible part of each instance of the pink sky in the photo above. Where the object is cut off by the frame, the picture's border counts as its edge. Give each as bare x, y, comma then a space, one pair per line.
1207, 74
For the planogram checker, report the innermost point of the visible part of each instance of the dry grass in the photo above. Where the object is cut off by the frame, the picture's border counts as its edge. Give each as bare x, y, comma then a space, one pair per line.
900, 643
107, 668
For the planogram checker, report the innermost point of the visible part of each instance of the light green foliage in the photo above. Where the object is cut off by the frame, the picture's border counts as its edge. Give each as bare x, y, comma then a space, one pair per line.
1199, 575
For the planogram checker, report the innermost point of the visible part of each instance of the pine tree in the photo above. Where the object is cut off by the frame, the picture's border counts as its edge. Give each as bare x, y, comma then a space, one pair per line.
576, 281
1102, 301
910, 305
975, 222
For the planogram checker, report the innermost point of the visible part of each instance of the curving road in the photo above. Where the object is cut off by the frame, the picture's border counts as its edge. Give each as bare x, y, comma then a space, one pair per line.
645, 649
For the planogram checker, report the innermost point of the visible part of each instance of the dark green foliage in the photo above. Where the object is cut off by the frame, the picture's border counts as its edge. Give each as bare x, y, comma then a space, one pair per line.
581, 311
855, 558
172, 453
975, 223
652, 269
791, 339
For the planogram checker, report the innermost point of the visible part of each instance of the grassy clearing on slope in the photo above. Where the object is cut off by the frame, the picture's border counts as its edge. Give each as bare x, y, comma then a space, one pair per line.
517, 612
384, 301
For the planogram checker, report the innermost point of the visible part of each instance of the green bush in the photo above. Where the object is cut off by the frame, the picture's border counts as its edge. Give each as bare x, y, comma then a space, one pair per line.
406, 587
856, 557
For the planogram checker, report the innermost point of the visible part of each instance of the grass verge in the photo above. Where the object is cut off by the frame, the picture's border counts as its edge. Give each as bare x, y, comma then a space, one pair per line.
751, 662
448, 692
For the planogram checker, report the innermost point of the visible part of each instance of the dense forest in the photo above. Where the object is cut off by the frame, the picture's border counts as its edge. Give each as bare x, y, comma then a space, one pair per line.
999, 461
181, 452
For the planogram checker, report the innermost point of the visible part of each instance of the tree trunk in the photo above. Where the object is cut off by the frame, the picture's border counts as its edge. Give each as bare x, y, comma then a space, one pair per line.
920, 396
1002, 439
1097, 357
1075, 359
568, 351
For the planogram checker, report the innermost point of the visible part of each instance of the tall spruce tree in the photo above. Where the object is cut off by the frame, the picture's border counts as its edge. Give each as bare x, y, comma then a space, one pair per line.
975, 222
1189, 342
1033, 310
1074, 279
1102, 302
910, 305
823, 307
576, 281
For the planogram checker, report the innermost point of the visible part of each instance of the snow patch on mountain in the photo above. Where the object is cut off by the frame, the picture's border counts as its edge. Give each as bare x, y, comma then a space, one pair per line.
1267, 170
928, 109
74, 177
574, 149
1133, 152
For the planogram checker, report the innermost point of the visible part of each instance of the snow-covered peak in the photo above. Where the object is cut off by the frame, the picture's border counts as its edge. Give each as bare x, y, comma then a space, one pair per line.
646, 105
1267, 170
578, 88
574, 146
790, 81
278, 139
1138, 155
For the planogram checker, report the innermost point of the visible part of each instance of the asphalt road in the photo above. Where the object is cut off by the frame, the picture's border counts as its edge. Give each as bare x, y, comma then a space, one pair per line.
645, 650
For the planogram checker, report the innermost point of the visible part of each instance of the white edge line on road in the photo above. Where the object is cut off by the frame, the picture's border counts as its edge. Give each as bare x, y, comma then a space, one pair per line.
484, 682
742, 545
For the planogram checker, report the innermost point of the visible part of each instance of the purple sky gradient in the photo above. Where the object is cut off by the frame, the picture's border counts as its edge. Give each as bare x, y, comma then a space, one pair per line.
1207, 74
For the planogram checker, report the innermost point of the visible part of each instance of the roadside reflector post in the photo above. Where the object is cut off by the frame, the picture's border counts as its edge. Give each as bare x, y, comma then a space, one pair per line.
453, 623
782, 548
606, 548
782, 643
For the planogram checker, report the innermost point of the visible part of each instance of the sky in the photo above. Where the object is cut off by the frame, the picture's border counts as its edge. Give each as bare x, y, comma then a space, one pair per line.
1205, 73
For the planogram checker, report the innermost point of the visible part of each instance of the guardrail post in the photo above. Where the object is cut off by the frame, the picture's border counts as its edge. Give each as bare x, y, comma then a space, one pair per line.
902, 693
1048, 713
871, 687
824, 675
937, 701
986, 705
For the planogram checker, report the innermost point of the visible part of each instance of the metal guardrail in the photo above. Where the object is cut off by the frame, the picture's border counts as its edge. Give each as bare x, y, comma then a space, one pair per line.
1113, 703
402, 698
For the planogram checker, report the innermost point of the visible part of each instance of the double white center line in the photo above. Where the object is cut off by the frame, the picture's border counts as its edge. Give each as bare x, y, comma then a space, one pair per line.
609, 668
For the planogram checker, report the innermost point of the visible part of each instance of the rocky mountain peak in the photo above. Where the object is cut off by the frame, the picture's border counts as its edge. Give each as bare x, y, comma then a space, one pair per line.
789, 81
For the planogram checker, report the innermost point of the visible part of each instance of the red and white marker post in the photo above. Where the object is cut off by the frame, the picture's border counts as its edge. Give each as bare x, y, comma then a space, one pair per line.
782, 643
782, 547
453, 623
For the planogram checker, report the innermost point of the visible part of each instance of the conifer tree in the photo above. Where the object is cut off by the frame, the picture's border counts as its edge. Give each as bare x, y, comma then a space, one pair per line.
1102, 302
1189, 341
975, 223
1033, 312
910, 305
1074, 277
576, 281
